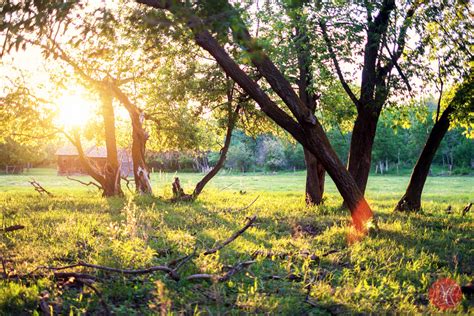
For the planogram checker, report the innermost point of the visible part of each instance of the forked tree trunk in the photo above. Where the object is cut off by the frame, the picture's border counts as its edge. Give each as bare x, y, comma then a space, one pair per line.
411, 200
141, 171
111, 185
109, 178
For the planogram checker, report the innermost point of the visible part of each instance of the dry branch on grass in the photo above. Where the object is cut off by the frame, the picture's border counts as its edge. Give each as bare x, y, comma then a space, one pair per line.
11, 228
167, 269
222, 278
86, 183
39, 188
251, 220
243, 208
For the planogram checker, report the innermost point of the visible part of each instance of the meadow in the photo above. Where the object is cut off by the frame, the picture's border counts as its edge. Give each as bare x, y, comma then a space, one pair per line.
293, 260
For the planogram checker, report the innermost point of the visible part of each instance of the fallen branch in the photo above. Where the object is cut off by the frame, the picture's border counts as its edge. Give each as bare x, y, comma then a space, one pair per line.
166, 269
243, 208
39, 188
226, 187
283, 255
11, 228
233, 237
221, 278
86, 183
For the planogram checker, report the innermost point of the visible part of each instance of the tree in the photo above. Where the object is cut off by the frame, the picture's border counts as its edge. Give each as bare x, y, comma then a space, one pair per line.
442, 40
306, 129
99, 66
463, 99
379, 21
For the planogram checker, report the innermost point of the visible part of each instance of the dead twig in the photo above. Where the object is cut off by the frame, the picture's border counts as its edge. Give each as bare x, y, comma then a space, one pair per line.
86, 183
243, 208
466, 209
39, 188
11, 228
251, 220
226, 187
127, 183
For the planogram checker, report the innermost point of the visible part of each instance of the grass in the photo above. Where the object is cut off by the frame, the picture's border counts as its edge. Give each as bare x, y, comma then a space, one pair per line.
387, 272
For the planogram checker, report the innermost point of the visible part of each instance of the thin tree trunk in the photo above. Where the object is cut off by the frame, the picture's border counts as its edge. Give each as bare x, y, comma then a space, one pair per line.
223, 155
411, 200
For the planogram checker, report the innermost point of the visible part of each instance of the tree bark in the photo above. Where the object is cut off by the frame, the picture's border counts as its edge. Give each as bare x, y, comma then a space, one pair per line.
307, 130
314, 179
112, 168
411, 200
314, 169
362, 141
141, 171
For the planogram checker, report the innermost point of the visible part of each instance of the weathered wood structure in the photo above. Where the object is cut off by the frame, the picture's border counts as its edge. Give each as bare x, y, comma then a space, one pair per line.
68, 160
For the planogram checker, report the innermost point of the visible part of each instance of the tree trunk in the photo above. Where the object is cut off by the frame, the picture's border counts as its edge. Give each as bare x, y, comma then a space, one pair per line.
112, 168
411, 200
362, 140
220, 163
141, 172
314, 179
314, 169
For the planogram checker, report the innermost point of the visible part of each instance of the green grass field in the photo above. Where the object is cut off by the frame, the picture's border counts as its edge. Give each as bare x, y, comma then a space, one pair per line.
389, 271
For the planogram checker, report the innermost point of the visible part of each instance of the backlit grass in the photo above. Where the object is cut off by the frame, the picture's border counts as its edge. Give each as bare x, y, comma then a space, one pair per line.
389, 271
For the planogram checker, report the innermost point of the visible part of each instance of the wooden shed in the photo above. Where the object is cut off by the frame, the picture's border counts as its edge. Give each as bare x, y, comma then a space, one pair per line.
69, 164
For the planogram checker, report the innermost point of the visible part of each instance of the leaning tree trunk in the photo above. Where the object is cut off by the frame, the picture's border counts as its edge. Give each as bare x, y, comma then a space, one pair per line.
141, 171
178, 192
223, 154
362, 141
411, 200
112, 168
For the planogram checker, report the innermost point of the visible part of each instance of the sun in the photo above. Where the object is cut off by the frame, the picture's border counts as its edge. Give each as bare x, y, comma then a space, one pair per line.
75, 110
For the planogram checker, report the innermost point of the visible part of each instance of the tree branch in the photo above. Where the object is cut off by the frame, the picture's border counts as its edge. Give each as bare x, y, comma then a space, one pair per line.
333, 56
233, 237
86, 183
